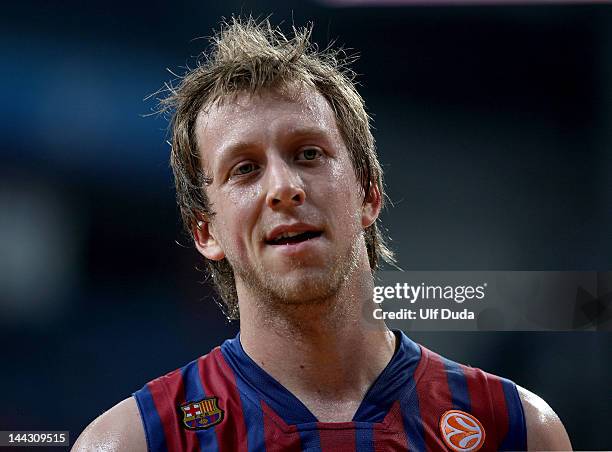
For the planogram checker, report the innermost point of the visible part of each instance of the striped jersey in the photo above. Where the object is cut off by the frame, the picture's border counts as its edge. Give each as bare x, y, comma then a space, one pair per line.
421, 401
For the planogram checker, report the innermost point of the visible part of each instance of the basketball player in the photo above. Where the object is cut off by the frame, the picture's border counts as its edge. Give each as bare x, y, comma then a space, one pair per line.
279, 184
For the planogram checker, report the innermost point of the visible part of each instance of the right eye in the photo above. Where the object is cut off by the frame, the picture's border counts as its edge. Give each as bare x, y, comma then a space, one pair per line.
244, 168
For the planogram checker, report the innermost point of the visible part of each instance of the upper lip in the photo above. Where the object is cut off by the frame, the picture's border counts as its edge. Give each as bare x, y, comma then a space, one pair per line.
295, 227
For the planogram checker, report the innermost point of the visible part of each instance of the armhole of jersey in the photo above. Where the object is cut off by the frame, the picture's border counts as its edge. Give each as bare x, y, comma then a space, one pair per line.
143, 418
522, 410
520, 436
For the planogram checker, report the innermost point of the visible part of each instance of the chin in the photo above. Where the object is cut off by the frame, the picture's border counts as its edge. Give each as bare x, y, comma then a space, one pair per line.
305, 285
300, 282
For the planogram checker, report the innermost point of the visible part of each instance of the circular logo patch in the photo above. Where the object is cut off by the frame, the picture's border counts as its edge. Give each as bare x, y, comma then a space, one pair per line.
461, 431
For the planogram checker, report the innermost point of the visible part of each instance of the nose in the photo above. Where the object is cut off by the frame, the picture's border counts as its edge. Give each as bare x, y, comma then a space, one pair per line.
285, 188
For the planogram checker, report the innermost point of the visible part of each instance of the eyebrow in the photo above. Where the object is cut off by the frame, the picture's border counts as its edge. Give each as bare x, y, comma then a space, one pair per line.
314, 131
234, 148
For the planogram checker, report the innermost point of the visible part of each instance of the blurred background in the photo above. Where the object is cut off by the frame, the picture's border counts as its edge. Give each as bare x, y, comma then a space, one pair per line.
493, 125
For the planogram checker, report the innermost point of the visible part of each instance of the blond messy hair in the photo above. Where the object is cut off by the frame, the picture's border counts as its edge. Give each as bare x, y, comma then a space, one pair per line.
251, 56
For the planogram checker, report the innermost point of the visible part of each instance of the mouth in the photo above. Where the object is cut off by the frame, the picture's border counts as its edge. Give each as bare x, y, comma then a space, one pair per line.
291, 238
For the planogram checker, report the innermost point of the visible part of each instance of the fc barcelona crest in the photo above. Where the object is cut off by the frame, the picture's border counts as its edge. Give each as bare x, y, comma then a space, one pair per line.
202, 414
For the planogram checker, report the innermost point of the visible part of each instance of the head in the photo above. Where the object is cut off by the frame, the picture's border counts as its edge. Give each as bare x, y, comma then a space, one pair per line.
264, 130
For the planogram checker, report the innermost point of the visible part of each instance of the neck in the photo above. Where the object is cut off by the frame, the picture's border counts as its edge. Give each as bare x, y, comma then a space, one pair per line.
328, 353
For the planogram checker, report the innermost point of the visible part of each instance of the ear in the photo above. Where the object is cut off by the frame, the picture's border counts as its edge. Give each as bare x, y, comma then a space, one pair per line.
205, 241
371, 206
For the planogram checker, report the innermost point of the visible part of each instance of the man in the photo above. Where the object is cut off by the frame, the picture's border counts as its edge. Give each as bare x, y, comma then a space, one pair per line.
278, 182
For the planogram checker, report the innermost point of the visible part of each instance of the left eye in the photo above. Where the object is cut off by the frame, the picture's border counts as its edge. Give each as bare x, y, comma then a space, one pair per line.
309, 154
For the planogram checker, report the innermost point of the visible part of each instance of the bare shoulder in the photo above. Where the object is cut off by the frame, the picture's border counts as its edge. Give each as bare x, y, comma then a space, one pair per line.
118, 429
544, 428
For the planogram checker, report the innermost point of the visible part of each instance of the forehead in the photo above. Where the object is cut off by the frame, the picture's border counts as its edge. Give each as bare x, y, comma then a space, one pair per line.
257, 119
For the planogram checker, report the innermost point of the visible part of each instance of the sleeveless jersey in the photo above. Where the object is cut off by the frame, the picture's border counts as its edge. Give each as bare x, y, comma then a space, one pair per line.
421, 401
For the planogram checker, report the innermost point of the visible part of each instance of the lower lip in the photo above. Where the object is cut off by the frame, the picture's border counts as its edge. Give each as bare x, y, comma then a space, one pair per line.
296, 248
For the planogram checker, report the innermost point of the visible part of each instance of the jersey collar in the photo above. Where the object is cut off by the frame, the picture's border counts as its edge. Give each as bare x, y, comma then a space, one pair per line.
391, 385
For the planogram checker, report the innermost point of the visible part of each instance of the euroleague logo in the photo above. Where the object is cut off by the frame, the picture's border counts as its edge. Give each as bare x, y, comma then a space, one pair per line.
461, 431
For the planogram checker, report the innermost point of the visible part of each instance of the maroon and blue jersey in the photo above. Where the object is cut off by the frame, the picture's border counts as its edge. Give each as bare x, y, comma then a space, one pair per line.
421, 401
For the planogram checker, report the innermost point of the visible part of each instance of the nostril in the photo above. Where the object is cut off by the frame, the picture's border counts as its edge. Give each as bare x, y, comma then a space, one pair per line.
289, 196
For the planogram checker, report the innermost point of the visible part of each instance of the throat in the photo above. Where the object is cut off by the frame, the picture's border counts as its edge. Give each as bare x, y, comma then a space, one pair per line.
332, 387
332, 412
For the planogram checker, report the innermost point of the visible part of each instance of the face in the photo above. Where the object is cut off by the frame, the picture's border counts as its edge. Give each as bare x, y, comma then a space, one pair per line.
289, 212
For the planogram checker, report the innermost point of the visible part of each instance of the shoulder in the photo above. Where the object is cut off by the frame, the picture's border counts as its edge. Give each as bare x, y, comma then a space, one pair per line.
118, 429
529, 421
544, 428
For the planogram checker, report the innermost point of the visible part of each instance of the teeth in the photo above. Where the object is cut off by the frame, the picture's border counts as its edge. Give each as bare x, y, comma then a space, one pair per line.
287, 235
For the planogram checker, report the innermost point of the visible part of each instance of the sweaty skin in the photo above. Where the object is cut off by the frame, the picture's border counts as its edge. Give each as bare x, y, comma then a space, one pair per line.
118, 429
277, 160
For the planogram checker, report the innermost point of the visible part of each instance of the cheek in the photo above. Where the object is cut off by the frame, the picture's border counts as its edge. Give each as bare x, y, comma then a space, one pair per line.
236, 213
243, 198
342, 196
339, 171
230, 236
344, 180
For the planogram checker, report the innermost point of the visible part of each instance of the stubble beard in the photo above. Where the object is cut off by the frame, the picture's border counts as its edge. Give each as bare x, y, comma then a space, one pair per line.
307, 288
